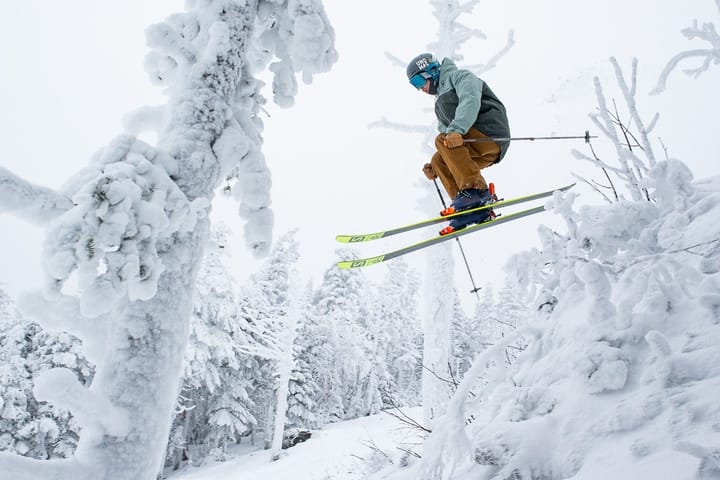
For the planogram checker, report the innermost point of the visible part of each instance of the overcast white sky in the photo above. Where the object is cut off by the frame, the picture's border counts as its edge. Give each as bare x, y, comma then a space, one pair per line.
72, 69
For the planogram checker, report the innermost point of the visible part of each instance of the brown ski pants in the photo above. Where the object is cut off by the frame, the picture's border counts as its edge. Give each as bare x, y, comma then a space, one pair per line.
459, 167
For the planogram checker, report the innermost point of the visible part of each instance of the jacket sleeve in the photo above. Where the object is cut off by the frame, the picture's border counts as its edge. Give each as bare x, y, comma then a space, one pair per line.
468, 88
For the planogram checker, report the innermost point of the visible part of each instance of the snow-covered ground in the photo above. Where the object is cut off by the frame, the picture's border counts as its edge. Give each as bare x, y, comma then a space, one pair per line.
341, 451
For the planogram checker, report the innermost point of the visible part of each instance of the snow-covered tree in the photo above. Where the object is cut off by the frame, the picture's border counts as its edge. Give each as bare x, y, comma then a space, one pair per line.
279, 311
453, 35
335, 351
471, 333
509, 315
315, 359
625, 326
214, 408
28, 427
398, 332
264, 366
131, 227
302, 388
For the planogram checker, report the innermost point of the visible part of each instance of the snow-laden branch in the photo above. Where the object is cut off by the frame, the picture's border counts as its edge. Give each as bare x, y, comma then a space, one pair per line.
448, 448
400, 127
28, 201
479, 69
96, 415
452, 34
111, 235
62, 314
709, 34
147, 118
395, 61
634, 163
629, 92
297, 34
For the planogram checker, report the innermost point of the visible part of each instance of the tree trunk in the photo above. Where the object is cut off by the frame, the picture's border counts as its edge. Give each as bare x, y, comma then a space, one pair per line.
284, 370
143, 376
436, 334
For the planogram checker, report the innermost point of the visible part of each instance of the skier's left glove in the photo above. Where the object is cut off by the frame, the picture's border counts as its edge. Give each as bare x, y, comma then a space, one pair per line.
429, 172
453, 140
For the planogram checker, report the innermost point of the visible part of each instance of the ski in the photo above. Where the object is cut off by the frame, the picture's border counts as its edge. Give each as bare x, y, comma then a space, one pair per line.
413, 226
364, 262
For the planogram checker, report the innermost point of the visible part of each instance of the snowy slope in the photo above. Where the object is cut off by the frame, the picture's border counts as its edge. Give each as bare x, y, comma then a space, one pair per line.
622, 373
340, 452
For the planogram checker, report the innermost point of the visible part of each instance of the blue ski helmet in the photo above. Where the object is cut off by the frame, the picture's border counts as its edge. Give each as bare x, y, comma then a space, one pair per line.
421, 68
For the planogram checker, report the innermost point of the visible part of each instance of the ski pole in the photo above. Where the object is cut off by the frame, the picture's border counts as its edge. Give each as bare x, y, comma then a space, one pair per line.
585, 137
462, 251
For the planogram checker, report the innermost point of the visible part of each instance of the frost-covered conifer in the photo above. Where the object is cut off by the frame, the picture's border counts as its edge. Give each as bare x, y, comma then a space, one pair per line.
28, 427
214, 408
397, 336
469, 333
130, 229
263, 373
511, 315
302, 389
335, 353
278, 305
315, 358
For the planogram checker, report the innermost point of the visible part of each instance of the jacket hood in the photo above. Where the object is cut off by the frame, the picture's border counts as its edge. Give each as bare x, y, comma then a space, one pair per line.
447, 66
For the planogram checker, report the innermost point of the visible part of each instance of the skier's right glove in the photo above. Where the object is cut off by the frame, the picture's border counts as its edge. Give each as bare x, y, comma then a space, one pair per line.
429, 172
453, 140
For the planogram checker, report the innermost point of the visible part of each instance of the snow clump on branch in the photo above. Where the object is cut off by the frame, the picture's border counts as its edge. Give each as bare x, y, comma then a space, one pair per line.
115, 233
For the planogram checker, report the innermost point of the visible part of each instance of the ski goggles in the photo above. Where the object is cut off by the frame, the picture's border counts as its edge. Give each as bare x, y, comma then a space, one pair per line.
418, 80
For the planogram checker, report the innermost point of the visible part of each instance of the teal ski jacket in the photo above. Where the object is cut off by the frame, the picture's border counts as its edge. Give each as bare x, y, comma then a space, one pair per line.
464, 101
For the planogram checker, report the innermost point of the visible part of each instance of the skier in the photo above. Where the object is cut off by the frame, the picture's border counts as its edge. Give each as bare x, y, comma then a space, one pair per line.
466, 109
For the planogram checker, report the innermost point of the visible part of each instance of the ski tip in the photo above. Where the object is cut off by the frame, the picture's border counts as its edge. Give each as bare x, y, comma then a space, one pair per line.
565, 188
365, 262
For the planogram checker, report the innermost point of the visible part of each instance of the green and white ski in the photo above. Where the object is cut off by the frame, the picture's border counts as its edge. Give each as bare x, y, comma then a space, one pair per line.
366, 237
364, 262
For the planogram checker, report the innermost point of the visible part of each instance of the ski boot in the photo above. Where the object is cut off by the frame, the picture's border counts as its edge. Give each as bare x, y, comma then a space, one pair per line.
466, 200
470, 198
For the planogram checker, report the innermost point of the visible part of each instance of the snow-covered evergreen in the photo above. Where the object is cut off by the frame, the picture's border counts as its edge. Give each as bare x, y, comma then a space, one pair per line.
472, 333
214, 407
336, 355
302, 412
397, 333
134, 233
277, 303
28, 427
